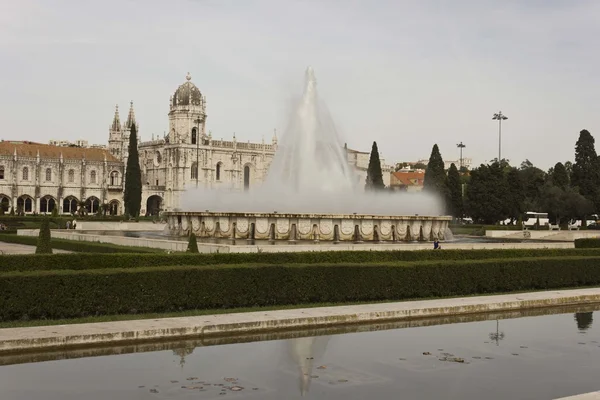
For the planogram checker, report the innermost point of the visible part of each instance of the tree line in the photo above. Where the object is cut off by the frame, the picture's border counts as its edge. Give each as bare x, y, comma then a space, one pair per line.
500, 191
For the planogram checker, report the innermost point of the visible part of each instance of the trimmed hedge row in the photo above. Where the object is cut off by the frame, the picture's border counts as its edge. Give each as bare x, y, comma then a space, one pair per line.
72, 294
73, 245
588, 243
31, 262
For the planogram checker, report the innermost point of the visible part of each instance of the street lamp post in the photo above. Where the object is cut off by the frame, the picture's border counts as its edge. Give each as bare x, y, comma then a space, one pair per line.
499, 116
461, 146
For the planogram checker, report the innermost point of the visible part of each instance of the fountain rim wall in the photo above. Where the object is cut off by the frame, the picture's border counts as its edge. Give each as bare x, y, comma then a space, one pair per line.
415, 217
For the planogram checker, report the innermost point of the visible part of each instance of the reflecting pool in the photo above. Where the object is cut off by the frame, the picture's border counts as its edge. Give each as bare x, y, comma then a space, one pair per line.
543, 354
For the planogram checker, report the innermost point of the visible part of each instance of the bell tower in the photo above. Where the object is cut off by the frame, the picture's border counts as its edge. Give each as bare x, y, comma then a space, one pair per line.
187, 114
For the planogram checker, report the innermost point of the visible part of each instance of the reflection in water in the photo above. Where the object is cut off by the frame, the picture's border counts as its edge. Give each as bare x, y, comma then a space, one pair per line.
182, 352
304, 352
497, 336
584, 320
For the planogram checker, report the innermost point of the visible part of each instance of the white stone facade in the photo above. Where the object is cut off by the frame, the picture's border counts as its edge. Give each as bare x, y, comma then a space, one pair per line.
36, 178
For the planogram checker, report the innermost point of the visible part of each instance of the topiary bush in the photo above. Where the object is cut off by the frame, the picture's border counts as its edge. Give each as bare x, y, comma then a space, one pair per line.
43, 242
192, 244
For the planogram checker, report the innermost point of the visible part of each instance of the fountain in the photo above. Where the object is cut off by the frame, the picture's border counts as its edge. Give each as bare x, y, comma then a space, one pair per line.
310, 193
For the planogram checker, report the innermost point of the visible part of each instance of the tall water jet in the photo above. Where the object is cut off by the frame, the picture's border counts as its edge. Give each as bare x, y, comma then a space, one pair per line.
311, 156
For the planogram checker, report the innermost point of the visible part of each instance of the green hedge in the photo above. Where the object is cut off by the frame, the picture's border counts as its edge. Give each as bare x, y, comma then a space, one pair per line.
72, 294
73, 245
589, 243
31, 262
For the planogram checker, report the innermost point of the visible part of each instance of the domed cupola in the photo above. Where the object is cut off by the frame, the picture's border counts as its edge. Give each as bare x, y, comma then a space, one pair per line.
187, 114
187, 94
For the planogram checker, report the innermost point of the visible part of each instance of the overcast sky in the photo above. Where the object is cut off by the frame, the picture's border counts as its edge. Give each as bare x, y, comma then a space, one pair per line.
407, 74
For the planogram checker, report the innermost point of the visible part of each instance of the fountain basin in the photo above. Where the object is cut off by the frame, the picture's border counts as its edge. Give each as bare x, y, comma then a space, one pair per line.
322, 227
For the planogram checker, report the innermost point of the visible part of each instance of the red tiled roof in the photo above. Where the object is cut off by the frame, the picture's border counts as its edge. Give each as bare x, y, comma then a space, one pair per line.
30, 149
410, 178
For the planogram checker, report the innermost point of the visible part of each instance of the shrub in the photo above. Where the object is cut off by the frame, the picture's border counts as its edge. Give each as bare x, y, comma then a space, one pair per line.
76, 246
36, 294
587, 243
43, 241
30, 262
192, 244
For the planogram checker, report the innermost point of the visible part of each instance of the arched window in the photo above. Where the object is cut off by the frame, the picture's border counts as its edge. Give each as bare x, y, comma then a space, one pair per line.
4, 203
92, 204
25, 204
47, 204
218, 171
70, 205
194, 136
48, 174
1, 171
114, 178
93, 177
25, 173
71, 175
194, 171
114, 207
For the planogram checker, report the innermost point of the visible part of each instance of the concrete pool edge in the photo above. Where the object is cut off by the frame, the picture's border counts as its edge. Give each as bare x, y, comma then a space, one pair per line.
117, 332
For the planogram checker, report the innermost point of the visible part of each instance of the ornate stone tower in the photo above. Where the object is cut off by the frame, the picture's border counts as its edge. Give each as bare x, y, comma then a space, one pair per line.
118, 135
115, 136
187, 114
127, 131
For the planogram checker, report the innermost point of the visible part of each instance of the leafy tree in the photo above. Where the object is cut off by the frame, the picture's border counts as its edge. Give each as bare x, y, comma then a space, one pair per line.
559, 176
486, 194
569, 168
564, 204
43, 243
192, 244
515, 201
455, 191
133, 178
586, 171
374, 174
419, 165
436, 180
533, 180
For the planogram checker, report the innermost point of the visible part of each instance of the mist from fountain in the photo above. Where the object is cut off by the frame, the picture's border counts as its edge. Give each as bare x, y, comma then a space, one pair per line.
310, 174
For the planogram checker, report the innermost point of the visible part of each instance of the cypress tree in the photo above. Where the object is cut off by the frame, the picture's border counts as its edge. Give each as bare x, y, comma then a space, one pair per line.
374, 174
435, 177
585, 169
43, 243
133, 178
192, 244
455, 190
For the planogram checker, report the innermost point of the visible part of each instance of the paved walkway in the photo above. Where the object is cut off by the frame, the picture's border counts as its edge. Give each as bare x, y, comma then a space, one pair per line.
60, 336
13, 248
586, 396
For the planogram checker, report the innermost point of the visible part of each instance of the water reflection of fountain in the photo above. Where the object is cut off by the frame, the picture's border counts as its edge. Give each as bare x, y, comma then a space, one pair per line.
304, 353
